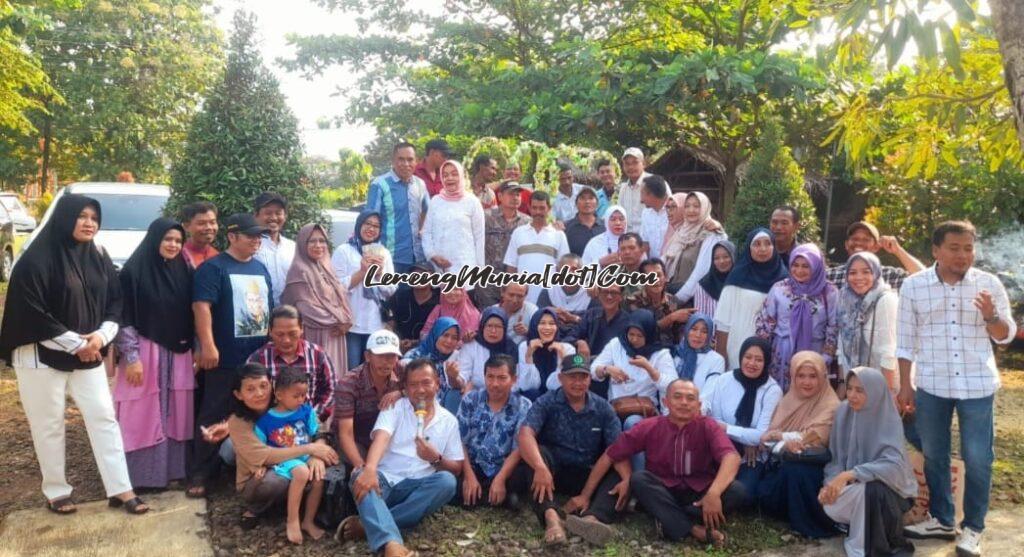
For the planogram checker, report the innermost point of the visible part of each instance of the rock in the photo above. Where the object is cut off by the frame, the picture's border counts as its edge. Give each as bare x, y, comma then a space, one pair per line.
532, 545
424, 546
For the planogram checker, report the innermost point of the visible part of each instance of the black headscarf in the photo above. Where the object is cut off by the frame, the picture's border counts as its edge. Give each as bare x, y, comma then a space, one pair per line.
158, 292
754, 275
745, 411
504, 346
642, 320
60, 285
546, 360
714, 281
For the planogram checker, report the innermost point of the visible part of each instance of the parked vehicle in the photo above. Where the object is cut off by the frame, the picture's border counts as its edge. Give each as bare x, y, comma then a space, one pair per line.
7, 234
343, 222
127, 209
23, 220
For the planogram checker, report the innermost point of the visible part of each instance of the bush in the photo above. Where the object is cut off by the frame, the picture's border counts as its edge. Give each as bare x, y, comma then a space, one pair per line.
772, 178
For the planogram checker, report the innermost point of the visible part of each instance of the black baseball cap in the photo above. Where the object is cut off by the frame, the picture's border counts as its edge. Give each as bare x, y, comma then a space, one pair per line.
268, 197
244, 223
438, 145
509, 185
575, 364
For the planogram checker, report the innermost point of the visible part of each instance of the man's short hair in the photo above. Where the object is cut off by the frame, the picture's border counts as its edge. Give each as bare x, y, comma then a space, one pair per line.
284, 311
501, 360
952, 227
656, 186
402, 145
538, 195
586, 191
603, 163
793, 211
653, 261
290, 376
479, 162
418, 364
190, 211
631, 236
564, 166
569, 258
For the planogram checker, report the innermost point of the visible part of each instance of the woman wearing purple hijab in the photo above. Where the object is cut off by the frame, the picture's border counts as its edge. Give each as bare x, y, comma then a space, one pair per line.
800, 312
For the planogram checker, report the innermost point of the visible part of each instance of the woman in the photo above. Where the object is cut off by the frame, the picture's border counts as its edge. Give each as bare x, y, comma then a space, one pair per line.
743, 403
351, 261
410, 306
800, 426
709, 288
540, 355
260, 490
800, 312
869, 483
453, 233
696, 361
867, 319
440, 346
63, 304
689, 242
603, 249
747, 286
313, 288
153, 391
492, 339
457, 305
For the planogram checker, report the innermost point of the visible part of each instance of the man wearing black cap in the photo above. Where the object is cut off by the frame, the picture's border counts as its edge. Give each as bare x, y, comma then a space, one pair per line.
429, 169
864, 236
231, 301
276, 251
499, 224
562, 437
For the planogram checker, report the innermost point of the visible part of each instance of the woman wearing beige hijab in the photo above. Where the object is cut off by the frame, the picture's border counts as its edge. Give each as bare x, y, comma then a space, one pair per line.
313, 288
799, 434
690, 240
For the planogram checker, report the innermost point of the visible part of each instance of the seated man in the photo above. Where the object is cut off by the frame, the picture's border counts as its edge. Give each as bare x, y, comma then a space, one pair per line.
518, 309
598, 326
564, 433
410, 469
489, 421
684, 500
363, 391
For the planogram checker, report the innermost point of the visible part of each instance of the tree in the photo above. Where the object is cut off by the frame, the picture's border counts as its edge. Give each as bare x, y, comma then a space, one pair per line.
343, 183
244, 141
1008, 20
22, 79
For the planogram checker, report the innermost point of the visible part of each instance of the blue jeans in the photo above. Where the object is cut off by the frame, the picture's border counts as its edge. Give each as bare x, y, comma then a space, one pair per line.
227, 452
355, 344
749, 477
639, 460
401, 506
934, 422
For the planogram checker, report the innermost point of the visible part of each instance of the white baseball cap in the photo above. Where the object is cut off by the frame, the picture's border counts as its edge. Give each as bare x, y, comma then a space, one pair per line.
383, 342
634, 152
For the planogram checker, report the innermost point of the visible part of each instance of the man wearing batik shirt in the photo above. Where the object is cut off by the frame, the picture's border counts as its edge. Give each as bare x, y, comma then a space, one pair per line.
363, 391
499, 224
489, 421
863, 236
665, 307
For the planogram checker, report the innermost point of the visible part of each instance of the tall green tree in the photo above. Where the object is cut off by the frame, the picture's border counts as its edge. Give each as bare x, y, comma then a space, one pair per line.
245, 140
22, 79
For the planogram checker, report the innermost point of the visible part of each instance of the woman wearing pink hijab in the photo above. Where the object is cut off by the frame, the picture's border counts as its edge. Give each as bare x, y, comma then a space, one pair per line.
453, 233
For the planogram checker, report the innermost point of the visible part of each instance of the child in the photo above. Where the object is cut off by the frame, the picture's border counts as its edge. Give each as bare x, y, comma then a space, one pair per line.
292, 422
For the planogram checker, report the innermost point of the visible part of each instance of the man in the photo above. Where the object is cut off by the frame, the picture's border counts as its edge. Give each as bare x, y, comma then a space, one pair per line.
598, 326
569, 302
489, 421
276, 252
536, 245
629, 189
564, 433
683, 500
200, 222
950, 314
429, 169
408, 474
605, 195
518, 310
585, 225
231, 301
863, 236
499, 224
654, 218
401, 200
363, 391
483, 172
288, 350
630, 256
564, 206
654, 297
785, 225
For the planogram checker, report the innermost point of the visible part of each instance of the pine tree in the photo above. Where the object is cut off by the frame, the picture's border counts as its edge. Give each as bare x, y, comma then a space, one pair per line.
245, 141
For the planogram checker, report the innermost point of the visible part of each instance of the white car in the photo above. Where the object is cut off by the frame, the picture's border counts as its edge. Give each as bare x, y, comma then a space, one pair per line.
23, 221
343, 223
126, 209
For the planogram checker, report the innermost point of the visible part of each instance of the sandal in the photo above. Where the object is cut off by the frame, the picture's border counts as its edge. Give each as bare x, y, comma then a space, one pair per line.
62, 505
709, 538
195, 491
350, 529
131, 506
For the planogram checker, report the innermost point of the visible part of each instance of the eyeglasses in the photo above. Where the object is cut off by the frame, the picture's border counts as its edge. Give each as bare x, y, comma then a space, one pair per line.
371, 225
315, 241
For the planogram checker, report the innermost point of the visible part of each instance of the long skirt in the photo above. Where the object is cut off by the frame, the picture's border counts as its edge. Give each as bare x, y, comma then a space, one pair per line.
789, 491
334, 346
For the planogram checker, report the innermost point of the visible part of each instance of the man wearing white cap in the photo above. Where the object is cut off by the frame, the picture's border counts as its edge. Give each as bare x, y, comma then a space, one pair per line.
629, 190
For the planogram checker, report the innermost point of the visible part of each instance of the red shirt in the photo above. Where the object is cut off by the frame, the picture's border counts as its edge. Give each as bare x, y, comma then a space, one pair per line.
433, 183
196, 257
524, 201
689, 455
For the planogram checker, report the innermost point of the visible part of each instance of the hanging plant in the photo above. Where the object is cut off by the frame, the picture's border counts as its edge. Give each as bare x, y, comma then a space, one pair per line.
539, 165
492, 146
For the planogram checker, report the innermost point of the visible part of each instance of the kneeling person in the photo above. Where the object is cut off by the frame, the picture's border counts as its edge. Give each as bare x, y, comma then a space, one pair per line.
410, 469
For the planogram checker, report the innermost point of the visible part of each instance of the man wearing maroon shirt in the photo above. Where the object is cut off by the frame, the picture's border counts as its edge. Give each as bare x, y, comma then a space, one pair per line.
429, 169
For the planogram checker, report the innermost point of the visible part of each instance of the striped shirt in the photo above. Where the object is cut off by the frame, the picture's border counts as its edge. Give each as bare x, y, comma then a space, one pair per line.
313, 361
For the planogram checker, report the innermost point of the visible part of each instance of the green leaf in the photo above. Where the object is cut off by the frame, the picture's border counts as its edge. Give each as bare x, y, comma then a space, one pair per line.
951, 50
964, 10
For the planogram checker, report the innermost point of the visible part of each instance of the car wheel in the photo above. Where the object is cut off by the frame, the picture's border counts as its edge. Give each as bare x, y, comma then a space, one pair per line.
6, 264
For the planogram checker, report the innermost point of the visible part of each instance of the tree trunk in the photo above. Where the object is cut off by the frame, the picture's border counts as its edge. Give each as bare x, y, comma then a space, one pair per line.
1008, 20
730, 184
47, 142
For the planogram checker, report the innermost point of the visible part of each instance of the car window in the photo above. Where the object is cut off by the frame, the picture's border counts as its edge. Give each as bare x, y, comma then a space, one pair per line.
128, 212
12, 204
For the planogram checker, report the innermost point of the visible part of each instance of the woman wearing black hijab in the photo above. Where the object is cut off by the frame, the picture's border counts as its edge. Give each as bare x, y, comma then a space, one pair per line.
155, 380
63, 306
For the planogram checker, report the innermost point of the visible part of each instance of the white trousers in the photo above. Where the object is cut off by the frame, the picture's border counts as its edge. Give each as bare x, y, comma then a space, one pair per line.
849, 509
43, 392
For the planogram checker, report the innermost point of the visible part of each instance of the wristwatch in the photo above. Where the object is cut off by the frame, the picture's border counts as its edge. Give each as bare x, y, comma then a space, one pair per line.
437, 461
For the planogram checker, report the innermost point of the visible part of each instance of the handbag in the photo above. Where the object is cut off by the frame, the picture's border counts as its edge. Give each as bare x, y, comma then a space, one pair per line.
819, 456
634, 406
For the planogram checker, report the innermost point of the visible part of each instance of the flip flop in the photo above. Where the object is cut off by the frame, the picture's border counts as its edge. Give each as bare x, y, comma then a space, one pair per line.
358, 534
62, 505
131, 506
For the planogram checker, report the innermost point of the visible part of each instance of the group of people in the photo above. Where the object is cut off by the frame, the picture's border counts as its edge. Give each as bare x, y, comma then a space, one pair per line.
756, 377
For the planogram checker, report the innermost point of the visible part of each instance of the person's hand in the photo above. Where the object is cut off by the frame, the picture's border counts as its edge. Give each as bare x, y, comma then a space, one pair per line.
215, 433
577, 505
681, 315
520, 328
711, 507
468, 336
340, 329
621, 489
389, 400
559, 349
259, 472
771, 436
451, 368
496, 495
889, 243
317, 469
471, 490
441, 262
406, 345
365, 262
983, 301
906, 401
324, 452
426, 451
133, 374
559, 225
565, 316
724, 426
91, 351
830, 491
794, 446
712, 225
750, 456
534, 345
543, 487
209, 357
583, 349
365, 483
610, 259
616, 374
642, 363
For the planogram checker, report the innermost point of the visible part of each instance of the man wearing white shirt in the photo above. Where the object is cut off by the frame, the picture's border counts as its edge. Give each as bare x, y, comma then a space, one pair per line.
537, 244
629, 189
654, 218
565, 200
518, 311
410, 469
276, 252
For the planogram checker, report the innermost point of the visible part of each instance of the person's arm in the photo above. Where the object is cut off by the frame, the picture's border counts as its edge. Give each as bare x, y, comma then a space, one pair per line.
552, 381
209, 357
723, 320
767, 318
249, 448
751, 436
906, 347
700, 268
512, 253
994, 305
528, 375
529, 449
427, 236
597, 473
884, 332
662, 361
603, 360
909, 262
347, 442
727, 471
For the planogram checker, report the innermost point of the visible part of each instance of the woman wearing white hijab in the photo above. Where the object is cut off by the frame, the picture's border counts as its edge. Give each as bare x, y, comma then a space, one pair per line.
603, 249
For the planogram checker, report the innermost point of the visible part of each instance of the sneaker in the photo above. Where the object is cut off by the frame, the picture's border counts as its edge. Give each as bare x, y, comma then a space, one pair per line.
593, 531
930, 529
969, 544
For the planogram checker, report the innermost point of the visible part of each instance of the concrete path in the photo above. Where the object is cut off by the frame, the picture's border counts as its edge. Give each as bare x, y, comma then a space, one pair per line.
174, 525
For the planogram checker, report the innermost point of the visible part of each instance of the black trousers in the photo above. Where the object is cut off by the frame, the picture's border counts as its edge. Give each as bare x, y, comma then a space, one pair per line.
516, 483
570, 480
214, 407
673, 508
